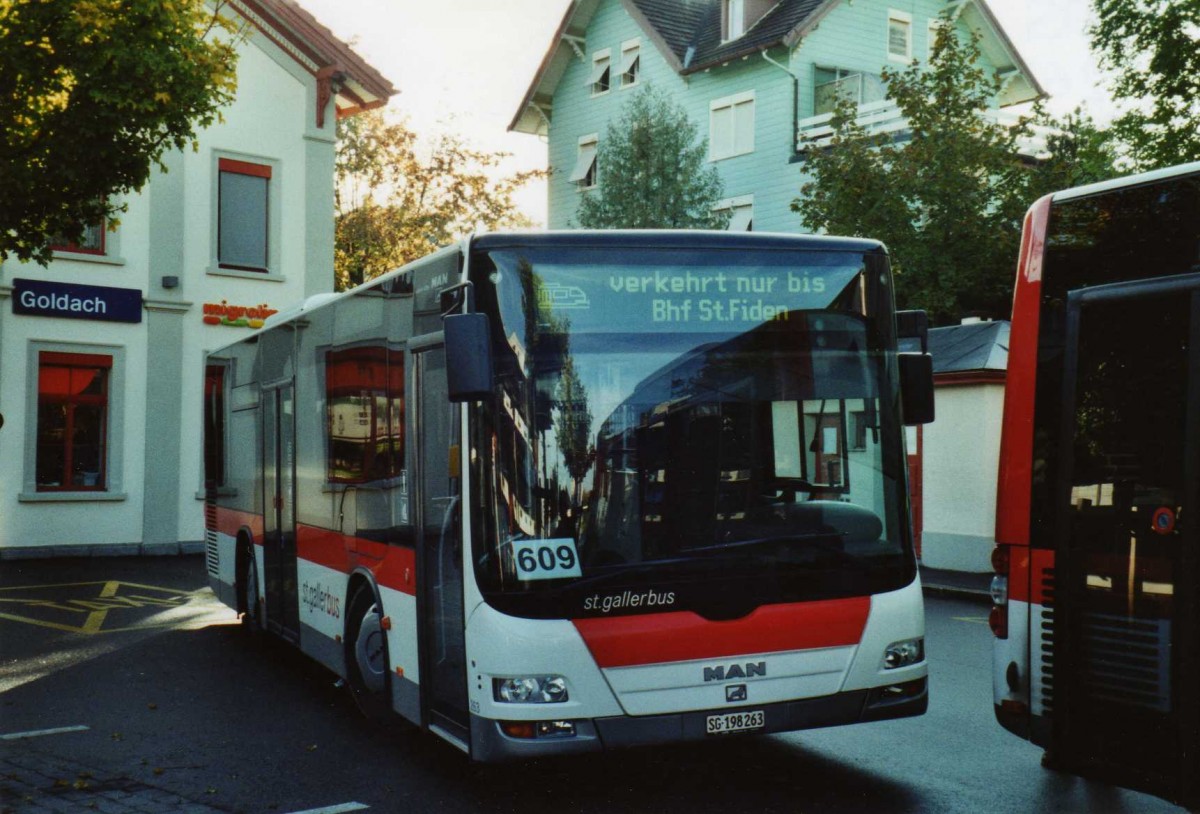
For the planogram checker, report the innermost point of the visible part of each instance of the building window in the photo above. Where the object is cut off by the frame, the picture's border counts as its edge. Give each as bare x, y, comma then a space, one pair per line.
92, 241
631, 63
740, 211
364, 398
584, 175
731, 126
600, 78
733, 19
899, 36
72, 421
243, 215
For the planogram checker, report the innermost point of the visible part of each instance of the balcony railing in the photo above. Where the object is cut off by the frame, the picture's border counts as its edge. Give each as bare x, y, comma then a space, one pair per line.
884, 118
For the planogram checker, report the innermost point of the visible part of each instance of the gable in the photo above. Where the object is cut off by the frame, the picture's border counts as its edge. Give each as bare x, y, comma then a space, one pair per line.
339, 72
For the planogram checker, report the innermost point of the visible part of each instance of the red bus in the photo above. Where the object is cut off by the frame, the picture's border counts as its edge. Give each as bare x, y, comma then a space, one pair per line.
552, 493
1098, 554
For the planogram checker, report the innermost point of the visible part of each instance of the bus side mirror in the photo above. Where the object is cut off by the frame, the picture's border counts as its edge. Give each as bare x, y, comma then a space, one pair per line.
916, 388
468, 357
913, 325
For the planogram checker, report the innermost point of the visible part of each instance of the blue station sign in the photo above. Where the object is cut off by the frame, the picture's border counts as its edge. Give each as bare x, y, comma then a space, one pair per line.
74, 301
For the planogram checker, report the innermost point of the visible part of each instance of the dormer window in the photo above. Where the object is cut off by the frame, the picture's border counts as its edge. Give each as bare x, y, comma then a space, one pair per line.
733, 19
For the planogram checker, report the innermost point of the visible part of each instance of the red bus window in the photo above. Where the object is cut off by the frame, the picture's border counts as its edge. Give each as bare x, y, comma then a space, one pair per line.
364, 398
72, 421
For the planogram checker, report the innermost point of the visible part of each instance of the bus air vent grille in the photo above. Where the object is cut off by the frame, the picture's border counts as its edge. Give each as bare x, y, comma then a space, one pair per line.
1126, 661
212, 556
1047, 640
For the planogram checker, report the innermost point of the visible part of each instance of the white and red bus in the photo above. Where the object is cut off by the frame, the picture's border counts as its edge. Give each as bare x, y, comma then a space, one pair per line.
560, 492
1098, 552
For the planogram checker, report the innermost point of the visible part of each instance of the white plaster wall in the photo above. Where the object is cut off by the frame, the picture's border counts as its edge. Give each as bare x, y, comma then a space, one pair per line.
959, 463
272, 118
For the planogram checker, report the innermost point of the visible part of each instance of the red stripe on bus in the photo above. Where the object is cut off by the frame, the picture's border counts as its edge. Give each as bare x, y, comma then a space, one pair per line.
231, 521
1016, 436
393, 566
1027, 575
684, 636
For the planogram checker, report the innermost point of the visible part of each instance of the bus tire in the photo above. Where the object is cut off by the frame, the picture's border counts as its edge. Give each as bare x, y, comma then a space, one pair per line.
367, 670
248, 596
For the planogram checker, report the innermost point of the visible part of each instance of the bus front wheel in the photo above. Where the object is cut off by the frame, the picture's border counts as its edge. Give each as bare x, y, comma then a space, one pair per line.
367, 656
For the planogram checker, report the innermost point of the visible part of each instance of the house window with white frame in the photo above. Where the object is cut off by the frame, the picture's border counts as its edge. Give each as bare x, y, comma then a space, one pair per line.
731, 126
631, 63
584, 173
733, 19
740, 211
899, 36
600, 79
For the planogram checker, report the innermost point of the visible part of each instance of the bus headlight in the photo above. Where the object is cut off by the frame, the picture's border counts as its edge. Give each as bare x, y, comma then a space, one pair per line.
530, 690
902, 654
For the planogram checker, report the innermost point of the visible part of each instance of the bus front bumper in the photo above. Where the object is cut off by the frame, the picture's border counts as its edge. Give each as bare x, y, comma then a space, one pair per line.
490, 743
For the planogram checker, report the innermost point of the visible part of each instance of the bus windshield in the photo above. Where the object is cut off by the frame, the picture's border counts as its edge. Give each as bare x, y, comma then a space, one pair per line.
683, 430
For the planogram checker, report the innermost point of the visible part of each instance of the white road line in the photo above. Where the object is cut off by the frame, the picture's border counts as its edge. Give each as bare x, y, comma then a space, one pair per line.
341, 808
37, 733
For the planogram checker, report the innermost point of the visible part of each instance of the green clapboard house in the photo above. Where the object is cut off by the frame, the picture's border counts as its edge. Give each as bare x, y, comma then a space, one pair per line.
758, 77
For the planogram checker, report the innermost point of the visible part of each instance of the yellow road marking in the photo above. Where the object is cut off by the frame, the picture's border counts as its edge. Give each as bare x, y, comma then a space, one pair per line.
96, 608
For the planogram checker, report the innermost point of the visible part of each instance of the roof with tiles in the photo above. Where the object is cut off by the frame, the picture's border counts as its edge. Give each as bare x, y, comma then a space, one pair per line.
691, 29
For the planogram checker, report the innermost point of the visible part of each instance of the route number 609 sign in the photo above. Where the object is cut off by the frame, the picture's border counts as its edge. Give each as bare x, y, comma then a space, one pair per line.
546, 559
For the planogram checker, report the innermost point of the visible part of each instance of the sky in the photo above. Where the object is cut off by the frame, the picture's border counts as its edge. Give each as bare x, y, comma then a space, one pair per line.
466, 64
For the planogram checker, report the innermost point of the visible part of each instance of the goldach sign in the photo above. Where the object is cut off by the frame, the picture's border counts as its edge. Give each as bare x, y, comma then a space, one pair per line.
73, 301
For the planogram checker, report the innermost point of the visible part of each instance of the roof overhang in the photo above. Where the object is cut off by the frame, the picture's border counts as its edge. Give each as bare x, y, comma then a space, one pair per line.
1019, 85
341, 73
533, 116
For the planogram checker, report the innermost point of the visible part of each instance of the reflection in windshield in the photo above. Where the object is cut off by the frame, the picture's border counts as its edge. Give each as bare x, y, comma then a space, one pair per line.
698, 451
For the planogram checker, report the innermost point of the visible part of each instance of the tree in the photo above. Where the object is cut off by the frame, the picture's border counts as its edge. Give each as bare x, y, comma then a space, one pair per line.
1079, 152
397, 200
95, 92
948, 202
653, 171
1153, 46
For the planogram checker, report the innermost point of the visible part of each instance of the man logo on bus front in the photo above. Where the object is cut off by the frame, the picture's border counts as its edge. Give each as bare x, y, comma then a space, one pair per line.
723, 673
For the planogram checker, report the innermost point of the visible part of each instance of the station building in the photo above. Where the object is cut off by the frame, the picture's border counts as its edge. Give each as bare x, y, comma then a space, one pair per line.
102, 352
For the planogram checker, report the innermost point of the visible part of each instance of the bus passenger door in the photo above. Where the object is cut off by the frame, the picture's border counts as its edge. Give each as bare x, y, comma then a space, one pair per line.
443, 666
1124, 637
279, 510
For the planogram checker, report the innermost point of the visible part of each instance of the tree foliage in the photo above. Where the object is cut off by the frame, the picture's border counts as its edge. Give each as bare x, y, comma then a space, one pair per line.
396, 199
949, 201
653, 171
95, 92
1153, 48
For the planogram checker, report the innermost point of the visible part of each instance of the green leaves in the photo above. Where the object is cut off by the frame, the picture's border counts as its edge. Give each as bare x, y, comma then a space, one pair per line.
653, 171
1153, 47
97, 91
398, 198
950, 200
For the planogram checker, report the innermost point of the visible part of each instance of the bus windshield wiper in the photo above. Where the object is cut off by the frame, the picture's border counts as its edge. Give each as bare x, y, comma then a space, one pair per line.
827, 542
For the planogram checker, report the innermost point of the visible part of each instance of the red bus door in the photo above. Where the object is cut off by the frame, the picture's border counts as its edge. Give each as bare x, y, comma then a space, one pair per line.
1125, 648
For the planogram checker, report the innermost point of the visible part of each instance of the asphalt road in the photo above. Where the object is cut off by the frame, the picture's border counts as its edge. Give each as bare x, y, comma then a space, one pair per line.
155, 683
